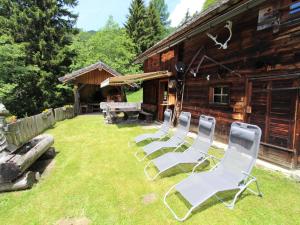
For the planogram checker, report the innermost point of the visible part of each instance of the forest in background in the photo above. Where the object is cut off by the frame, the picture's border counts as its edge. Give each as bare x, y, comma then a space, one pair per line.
39, 43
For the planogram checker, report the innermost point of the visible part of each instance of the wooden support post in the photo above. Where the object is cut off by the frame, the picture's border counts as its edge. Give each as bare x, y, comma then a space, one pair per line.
76, 100
296, 144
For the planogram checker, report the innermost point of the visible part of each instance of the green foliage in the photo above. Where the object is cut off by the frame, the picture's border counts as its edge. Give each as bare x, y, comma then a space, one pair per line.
136, 25
162, 9
41, 33
155, 28
147, 25
136, 96
208, 3
110, 45
17, 79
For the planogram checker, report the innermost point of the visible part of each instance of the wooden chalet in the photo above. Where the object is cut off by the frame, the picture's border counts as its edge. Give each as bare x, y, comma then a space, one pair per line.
87, 87
242, 62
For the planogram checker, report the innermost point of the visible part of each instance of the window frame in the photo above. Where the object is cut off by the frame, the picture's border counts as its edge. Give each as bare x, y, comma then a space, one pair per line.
212, 95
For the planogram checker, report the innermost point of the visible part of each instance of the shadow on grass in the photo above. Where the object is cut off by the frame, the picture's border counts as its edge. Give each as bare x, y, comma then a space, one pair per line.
226, 197
178, 169
42, 164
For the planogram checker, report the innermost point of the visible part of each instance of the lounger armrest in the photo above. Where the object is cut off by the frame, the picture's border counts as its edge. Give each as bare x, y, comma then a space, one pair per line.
248, 175
198, 164
210, 156
179, 146
207, 156
213, 157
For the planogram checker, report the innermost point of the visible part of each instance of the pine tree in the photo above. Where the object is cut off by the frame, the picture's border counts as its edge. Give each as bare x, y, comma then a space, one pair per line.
162, 8
186, 18
136, 24
46, 28
155, 28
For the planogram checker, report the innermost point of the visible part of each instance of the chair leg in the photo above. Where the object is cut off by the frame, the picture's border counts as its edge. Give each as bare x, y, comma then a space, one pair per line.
138, 158
258, 192
180, 219
147, 174
199, 163
130, 143
242, 189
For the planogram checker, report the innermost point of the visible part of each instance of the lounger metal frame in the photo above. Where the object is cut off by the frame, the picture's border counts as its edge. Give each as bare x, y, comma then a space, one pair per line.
182, 141
145, 156
231, 205
164, 128
160, 172
200, 161
243, 186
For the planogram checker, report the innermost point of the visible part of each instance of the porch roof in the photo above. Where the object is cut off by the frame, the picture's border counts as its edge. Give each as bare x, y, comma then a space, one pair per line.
131, 79
97, 66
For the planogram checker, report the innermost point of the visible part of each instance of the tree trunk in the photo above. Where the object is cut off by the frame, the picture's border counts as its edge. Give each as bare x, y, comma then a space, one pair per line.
49, 154
25, 182
18, 163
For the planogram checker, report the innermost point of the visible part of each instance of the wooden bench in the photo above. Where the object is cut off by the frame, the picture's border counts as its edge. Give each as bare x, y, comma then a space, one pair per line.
21, 146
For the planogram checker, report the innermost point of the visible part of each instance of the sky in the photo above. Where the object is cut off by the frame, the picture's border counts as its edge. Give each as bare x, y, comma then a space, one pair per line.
93, 14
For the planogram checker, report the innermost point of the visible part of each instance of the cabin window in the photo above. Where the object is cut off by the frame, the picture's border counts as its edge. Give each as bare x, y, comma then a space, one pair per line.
220, 95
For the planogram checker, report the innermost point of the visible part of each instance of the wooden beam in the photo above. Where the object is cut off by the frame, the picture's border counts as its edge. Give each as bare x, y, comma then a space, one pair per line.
76, 99
25, 182
130, 79
18, 164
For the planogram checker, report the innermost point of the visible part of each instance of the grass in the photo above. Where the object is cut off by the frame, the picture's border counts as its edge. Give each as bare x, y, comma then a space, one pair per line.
136, 96
96, 176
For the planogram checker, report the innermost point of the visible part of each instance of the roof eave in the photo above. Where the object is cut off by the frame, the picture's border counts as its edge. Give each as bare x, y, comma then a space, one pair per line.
100, 66
201, 27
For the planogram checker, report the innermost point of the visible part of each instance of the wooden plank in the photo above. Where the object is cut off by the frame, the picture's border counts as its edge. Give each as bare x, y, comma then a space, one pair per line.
252, 53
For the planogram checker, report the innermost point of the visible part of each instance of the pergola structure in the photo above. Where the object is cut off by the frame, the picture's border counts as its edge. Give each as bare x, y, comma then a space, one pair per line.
135, 78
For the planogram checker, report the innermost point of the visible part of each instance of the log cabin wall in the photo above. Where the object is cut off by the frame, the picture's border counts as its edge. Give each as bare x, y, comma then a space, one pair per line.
91, 92
95, 77
266, 94
151, 94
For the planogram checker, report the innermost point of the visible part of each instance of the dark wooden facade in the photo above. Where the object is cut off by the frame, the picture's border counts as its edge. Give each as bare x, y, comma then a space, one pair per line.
90, 90
266, 93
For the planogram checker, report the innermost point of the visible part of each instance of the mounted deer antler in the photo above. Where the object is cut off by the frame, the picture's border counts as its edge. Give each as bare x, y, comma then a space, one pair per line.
214, 38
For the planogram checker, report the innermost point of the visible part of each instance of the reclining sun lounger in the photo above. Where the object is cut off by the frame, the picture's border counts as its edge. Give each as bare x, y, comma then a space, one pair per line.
195, 155
176, 141
232, 173
162, 132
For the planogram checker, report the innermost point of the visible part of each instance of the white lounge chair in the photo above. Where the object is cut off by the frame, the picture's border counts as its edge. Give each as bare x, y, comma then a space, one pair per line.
162, 132
176, 141
195, 155
232, 173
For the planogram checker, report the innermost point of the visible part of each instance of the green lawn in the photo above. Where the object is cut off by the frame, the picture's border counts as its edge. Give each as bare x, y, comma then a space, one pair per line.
136, 96
96, 176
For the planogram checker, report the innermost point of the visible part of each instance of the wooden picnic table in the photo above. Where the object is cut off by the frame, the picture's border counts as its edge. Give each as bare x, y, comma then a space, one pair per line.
115, 109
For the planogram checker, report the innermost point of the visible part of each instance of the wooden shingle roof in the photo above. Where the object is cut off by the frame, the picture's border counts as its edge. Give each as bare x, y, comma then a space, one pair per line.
219, 12
97, 66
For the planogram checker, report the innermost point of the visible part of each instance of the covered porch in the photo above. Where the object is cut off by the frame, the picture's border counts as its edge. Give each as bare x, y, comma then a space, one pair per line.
159, 90
88, 92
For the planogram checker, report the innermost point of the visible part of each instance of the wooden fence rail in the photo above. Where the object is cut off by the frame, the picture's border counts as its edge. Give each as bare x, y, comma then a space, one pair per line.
23, 130
64, 113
